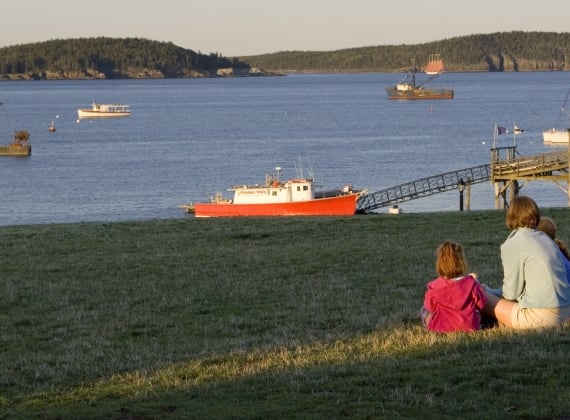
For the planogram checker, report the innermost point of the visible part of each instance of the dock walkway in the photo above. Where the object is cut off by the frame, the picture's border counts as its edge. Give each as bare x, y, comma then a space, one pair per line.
507, 170
422, 188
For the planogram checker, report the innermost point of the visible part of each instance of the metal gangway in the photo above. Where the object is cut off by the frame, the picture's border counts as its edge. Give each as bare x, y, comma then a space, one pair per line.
423, 187
507, 170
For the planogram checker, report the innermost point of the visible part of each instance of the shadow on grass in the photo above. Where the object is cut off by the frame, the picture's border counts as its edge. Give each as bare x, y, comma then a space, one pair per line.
404, 371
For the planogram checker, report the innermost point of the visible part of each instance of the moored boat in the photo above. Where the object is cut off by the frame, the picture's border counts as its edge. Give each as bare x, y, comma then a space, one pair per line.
554, 135
104, 111
434, 64
20, 146
557, 135
294, 197
408, 89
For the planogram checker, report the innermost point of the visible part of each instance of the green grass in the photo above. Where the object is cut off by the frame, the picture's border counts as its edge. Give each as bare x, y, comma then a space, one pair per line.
260, 318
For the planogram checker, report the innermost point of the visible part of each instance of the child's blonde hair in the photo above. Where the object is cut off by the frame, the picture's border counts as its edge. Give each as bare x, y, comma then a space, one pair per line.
450, 260
547, 226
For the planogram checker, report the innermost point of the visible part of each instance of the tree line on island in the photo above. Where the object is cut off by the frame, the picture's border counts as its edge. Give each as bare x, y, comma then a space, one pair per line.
497, 52
112, 58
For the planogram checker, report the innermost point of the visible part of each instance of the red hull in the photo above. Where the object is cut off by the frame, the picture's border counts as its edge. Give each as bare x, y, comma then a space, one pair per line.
344, 205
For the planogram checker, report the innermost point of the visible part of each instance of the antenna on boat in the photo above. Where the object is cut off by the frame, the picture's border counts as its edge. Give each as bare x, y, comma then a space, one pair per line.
278, 169
563, 109
311, 174
299, 168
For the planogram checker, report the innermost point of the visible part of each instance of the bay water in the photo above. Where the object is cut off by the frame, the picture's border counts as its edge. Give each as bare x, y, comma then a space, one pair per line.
190, 138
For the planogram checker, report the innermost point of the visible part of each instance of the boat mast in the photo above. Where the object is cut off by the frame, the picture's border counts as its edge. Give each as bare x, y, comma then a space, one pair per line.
562, 110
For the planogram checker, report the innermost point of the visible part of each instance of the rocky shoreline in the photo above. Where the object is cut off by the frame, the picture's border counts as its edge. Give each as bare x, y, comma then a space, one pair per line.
138, 73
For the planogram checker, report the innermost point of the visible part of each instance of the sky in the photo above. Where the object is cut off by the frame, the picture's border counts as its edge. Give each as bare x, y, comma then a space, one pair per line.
236, 28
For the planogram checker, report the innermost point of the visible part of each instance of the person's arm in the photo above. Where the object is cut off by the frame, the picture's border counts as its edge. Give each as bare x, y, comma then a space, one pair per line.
479, 296
513, 271
428, 301
498, 291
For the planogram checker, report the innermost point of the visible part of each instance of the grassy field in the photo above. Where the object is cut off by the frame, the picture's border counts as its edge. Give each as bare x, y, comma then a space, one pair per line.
260, 318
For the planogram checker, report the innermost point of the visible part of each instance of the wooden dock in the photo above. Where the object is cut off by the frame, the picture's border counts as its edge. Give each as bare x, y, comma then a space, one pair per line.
511, 171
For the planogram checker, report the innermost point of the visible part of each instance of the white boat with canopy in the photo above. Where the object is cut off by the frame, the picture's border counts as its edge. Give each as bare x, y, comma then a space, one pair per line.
104, 110
558, 135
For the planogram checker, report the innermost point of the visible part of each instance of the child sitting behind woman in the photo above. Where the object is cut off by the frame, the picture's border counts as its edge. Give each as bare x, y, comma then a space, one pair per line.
547, 225
452, 301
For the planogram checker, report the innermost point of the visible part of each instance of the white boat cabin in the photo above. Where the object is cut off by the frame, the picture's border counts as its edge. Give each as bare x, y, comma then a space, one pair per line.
404, 87
110, 107
275, 192
556, 136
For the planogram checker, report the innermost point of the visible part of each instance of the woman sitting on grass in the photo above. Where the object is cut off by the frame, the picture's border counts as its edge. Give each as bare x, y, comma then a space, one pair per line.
452, 301
535, 291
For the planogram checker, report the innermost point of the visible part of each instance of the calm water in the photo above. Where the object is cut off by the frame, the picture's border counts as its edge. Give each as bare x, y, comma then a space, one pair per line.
187, 139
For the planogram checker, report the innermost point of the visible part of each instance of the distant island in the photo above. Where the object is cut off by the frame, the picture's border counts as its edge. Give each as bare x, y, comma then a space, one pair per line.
498, 52
136, 58
115, 58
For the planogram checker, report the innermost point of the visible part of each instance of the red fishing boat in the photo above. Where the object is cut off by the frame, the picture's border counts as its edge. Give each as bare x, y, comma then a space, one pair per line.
294, 197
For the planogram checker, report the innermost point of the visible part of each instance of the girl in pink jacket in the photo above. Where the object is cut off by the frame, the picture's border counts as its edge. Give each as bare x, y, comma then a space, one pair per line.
452, 301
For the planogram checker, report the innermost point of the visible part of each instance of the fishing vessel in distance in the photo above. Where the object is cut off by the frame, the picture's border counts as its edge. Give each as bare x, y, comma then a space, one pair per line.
408, 89
557, 135
554, 136
104, 111
20, 146
293, 197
